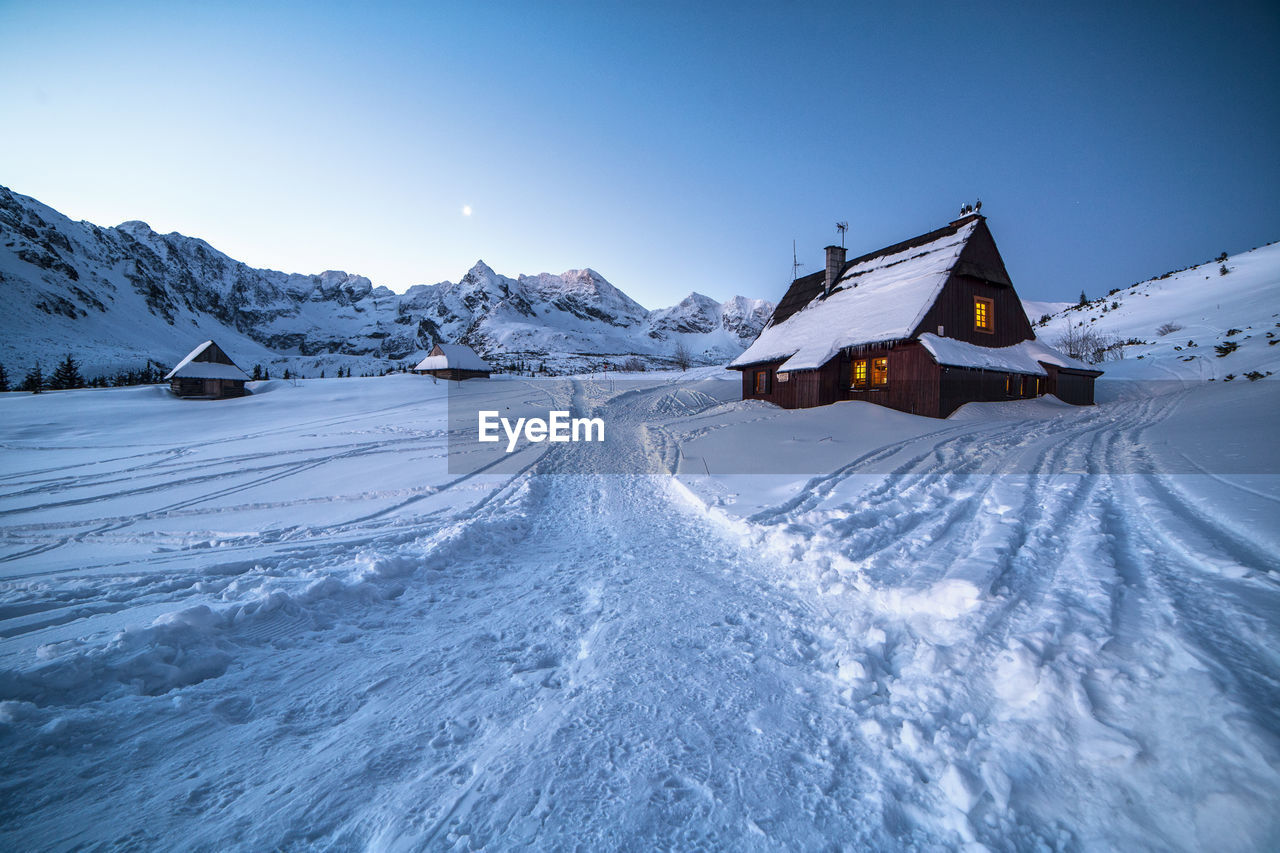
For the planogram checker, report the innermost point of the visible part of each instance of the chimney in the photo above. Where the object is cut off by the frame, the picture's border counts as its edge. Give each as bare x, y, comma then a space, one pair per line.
835, 263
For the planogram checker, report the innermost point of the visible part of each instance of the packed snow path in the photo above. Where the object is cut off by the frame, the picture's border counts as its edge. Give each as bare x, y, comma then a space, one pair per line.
947, 653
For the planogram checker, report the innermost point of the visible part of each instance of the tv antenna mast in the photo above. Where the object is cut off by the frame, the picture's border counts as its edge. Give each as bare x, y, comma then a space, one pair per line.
795, 262
842, 227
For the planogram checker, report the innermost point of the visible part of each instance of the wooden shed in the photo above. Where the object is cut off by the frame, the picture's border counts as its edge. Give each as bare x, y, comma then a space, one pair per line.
209, 373
923, 326
454, 361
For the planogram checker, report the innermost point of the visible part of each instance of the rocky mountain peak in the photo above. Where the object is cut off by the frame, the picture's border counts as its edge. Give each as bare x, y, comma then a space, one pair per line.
122, 295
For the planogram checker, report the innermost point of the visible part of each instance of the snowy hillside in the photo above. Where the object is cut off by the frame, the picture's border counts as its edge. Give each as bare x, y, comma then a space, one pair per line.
1197, 323
1035, 310
116, 297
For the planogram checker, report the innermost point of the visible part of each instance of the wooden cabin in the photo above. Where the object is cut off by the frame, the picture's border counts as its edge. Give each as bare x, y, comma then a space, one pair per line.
923, 326
454, 361
207, 373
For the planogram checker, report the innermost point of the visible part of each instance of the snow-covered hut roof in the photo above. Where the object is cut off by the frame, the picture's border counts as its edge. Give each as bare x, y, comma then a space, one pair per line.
879, 297
1028, 357
191, 368
455, 357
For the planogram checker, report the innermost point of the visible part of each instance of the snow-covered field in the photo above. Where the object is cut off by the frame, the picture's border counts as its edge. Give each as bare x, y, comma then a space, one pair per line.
278, 622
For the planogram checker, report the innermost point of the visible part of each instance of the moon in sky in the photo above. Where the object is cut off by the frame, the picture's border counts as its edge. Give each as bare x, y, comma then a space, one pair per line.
466, 210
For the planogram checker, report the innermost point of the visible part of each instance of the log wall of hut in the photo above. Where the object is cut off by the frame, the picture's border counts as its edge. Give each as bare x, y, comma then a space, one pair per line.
960, 386
760, 382
978, 272
912, 381
912, 375
796, 389
953, 311
1071, 386
211, 388
917, 384
456, 374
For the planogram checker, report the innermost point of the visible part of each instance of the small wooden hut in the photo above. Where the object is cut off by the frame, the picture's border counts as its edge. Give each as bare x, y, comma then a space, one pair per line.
454, 361
207, 373
924, 326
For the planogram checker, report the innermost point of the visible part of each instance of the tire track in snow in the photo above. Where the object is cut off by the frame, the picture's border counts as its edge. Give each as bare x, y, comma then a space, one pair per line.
1031, 588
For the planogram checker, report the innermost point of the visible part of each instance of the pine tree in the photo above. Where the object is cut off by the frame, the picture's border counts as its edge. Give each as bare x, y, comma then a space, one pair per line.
286, 374
4, 379
322, 373
257, 373
34, 381
1084, 300
67, 375
266, 374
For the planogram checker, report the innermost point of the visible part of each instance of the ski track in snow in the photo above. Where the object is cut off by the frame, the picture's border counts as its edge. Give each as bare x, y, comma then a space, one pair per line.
953, 652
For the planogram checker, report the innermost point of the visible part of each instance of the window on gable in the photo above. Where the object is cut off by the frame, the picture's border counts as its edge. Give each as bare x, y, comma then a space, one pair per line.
984, 314
880, 371
860, 373
762, 382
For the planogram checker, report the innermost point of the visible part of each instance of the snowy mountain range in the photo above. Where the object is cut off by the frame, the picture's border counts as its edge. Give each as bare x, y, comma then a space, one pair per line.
117, 297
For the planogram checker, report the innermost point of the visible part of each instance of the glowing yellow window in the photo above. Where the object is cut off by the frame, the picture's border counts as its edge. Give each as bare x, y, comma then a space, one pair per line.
880, 371
860, 373
983, 314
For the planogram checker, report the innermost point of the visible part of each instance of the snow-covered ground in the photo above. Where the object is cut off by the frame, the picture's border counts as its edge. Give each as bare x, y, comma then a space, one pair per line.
278, 622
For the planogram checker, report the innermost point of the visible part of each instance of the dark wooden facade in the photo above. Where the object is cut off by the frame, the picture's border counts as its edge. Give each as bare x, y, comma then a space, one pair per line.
209, 387
917, 383
1071, 386
459, 375
216, 389
979, 273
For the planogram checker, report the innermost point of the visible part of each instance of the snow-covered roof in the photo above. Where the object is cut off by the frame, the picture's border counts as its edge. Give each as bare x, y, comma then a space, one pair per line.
1027, 357
456, 357
189, 368
882, 297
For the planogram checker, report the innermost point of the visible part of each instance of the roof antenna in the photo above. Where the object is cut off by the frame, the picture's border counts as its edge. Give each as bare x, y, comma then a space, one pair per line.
795, 262
842, 227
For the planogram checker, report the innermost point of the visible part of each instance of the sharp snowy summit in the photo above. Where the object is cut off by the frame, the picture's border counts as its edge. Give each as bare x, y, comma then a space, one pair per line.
117, 297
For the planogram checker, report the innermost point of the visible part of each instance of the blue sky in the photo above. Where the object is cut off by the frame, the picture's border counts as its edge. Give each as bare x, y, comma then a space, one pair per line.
671, 147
